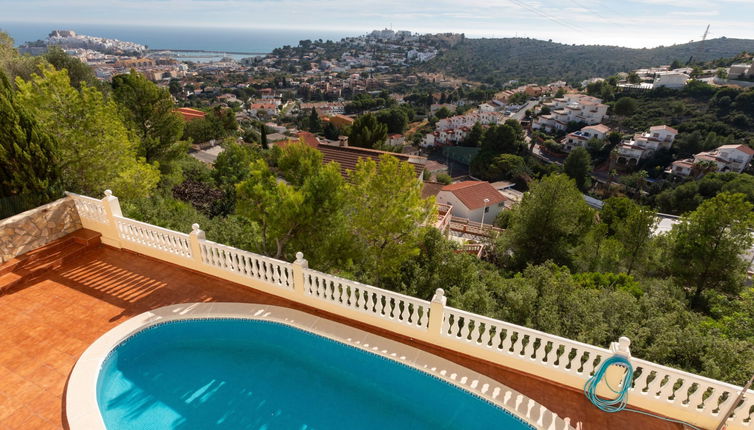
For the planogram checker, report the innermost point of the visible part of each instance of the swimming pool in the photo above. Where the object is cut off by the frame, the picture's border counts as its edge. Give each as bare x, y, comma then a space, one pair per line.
231, 373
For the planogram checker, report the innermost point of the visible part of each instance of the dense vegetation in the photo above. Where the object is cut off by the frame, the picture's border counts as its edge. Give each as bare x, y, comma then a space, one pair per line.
497, 61
559, 267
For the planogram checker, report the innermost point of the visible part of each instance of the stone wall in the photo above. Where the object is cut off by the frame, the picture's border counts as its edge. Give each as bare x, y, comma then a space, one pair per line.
37, 227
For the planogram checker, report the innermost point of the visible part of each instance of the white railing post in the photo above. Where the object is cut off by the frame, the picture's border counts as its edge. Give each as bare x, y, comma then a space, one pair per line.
298, 273
194, 237
437, 313
112, 209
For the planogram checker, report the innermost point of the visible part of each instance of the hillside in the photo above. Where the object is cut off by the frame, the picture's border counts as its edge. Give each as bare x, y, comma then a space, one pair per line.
496, 61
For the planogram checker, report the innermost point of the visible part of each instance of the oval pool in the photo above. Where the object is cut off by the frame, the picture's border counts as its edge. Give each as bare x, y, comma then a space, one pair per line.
240, 374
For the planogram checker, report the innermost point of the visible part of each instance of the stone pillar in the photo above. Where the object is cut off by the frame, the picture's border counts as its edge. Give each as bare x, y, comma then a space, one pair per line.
112, 209
298, 274
194, 237
436, 313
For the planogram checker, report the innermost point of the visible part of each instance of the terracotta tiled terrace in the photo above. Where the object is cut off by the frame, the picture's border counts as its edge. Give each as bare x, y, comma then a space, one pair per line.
50, 316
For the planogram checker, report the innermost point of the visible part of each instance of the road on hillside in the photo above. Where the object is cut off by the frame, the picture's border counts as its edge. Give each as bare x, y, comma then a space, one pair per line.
522, 112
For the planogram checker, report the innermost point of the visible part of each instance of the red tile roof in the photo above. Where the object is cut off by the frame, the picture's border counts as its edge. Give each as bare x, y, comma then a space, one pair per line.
473, 193
348, 156
189, 114
664, 127
743, 148
308, 138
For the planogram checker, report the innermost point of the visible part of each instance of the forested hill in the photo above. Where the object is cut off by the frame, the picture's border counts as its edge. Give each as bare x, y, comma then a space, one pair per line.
530, 60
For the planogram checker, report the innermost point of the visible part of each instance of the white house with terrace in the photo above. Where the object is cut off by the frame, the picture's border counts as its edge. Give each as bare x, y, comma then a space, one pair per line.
726, 158
452, 130
643, 145
571, 108
581, 137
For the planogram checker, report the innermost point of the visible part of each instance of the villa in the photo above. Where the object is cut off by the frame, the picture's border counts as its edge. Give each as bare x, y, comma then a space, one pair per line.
726, 158
82, 285
643, 145
579, 139
571, 108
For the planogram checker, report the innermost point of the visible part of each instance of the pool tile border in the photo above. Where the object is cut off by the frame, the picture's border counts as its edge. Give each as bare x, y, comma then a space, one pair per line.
83, 413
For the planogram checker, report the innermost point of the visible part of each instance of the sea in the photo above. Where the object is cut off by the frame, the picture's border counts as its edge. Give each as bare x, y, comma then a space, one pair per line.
242, 42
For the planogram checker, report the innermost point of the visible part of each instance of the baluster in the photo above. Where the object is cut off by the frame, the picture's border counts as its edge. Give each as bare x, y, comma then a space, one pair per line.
541, 352
553, 355
653, 388
667, 389
682, 393
413, 318
267, 272
370, 301
695, 399
445, 324
712, 401
361, 300
388, 307
519, 345
487, 334
507, 341
246, 265
589, 364
424, 317
641, 382
529, 348
743, 413
404, 313
378, 306
465, 327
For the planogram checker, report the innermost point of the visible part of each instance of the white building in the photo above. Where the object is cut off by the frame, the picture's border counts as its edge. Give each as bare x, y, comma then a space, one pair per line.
726, 158
473, 200
571, 108
643, 145
738, 71
670, 80
581, 137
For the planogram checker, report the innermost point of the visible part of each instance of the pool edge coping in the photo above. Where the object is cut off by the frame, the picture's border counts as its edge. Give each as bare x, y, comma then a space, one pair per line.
82, 411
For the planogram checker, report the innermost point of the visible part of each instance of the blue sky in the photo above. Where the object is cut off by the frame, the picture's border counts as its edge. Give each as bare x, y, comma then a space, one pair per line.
635, 23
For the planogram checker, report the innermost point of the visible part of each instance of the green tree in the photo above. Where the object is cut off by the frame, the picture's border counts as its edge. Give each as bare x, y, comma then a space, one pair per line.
331, 131
233, 164
549, 222
95, 147
625, 106
148, 110
395, 119
474, 138
708, 245
633, 78
263, 137
443, 112
292, 219
386, 213
28, 155
367, 132
315, 125
635, 234
78, 72
578, 166
298, 162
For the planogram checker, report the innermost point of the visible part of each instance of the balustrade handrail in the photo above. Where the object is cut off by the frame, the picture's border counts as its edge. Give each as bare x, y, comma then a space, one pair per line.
658, 387
524, 330
152, 227
368, 287
261, 257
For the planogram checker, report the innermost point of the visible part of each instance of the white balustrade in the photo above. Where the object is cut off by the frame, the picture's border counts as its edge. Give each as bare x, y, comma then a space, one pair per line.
151, 236
658, 389
89, 209
247, 264
365, 298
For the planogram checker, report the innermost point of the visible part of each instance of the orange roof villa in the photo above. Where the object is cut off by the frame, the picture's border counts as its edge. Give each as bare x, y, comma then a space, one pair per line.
88, 295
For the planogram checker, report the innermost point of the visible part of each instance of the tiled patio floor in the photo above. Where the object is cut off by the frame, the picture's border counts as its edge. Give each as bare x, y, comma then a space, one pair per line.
46, 323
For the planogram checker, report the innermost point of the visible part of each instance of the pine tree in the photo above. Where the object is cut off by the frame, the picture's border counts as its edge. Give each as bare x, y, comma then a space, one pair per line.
263, 137
315, 125
28, 155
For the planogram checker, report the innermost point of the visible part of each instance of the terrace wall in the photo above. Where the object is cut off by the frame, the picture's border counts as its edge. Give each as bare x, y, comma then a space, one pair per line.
37, 227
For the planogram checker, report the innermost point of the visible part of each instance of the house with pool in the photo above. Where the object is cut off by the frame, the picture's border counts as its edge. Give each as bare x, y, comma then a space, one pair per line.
112, 323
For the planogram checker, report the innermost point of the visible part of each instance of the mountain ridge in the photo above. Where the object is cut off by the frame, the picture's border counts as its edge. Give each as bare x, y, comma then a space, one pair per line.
498, 60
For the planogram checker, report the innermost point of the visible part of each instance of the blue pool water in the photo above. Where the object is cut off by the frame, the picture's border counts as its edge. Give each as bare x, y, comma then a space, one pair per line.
240, 374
